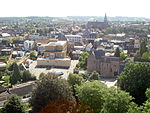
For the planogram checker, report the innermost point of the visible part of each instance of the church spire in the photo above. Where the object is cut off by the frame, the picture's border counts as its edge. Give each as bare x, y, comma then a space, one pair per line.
105, 18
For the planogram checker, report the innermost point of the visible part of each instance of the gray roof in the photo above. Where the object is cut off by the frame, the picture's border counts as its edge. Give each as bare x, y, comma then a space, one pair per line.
99, 53
109, 58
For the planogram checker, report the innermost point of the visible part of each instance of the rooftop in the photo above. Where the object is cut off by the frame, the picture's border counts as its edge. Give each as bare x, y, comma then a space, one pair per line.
57, 43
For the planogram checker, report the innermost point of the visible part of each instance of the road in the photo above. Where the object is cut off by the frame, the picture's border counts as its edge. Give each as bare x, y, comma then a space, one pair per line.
36, 71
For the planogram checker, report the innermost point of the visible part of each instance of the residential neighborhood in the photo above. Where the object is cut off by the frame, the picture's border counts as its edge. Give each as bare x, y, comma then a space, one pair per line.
45, 59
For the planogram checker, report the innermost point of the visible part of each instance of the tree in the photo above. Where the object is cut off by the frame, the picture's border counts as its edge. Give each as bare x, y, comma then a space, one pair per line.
123, 56
49, 89
92, 94
26, 76
13, 105
143, 48
75, 79
41, 75
134, 108
135, 79
16, 76
32, 54
117, 52
94, 76
146, 55
83, 60
116, 101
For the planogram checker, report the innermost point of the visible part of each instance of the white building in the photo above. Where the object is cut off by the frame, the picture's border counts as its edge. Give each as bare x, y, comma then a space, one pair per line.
37, 36
74, 38
28, 45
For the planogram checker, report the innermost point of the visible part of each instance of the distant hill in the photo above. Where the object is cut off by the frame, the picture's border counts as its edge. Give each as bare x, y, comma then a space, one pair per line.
73, 18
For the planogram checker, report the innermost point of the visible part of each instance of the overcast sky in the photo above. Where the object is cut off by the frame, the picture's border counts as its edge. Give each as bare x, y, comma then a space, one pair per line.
61, 8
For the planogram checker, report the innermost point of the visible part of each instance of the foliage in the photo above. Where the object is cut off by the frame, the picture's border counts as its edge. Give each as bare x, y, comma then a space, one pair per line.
127, 30
116, 101
143, 48
11, 39
135, 79
94, 75
123, 56
117, 52
75, 79
7, 80
49, 89
83, 60
13, 105
32, 54
146, 55
92, 94
16, 76
102, 99
41, 75
26, 76
4, 58
134, 108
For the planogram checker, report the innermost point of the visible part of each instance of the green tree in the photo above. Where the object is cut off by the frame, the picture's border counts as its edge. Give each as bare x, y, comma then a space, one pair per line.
143, 48
92, 94
83, 60
134, 108
94, 76
41, 75
117, 52
32, 54
26, 76
75, 79
135, 79
116, 101
49, 89
13, 105
146, 105
146, 55
16, 76
123, 56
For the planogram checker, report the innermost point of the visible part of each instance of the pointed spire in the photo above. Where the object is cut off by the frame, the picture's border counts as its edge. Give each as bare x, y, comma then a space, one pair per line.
105, 18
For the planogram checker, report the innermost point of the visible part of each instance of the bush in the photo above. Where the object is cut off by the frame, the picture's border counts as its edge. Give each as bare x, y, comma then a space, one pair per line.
27, 76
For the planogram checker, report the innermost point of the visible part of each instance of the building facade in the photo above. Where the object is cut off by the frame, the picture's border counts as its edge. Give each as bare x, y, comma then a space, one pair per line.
55, 55
107, 66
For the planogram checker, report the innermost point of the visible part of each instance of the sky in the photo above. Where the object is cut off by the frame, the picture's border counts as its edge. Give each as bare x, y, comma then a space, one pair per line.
62, 8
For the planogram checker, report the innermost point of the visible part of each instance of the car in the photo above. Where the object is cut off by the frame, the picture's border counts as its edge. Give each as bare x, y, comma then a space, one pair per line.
59, 73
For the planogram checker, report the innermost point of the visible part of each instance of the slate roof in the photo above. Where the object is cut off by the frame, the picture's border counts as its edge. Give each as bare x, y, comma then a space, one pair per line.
99, 53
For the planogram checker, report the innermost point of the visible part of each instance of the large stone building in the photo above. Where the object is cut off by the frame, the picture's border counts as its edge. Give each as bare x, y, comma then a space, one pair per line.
54, 55
96, 24
107, 66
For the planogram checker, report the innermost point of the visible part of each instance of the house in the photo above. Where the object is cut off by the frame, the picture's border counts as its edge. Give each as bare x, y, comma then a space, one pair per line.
107, 66
137, 44
55, 55
6, 52
76, 54
74, 38
28, 45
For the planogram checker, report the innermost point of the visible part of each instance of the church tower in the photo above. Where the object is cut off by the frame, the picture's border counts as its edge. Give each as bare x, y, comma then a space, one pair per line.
105, 18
